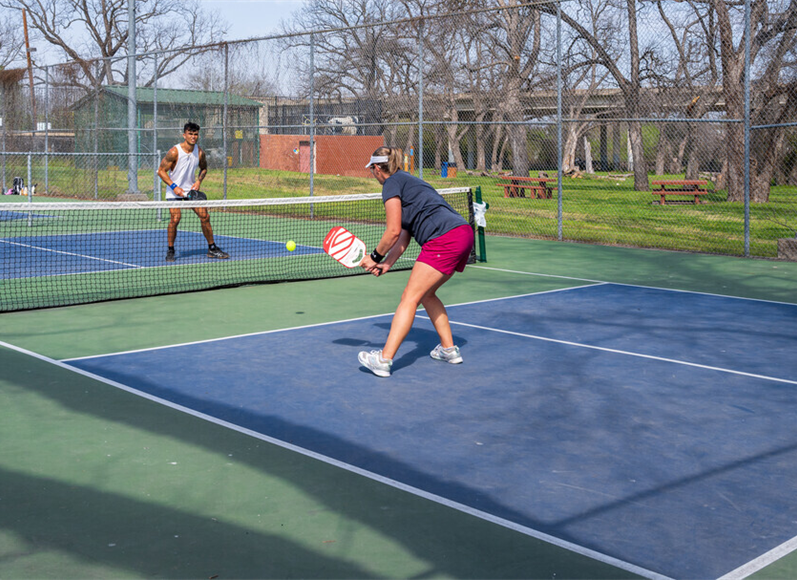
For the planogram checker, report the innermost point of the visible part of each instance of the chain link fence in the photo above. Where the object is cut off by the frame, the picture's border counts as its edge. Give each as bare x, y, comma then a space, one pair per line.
648, 124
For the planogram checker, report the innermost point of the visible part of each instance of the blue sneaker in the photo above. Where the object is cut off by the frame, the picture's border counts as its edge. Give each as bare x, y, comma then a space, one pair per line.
374, 362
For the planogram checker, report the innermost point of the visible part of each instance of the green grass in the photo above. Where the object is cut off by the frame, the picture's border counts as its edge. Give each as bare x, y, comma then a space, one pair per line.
595, 209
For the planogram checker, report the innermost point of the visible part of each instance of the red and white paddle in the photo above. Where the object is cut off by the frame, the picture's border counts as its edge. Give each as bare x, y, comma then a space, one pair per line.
344, 246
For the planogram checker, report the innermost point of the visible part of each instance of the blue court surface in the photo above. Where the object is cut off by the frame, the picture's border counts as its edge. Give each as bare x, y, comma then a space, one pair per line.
56, 255
651, 429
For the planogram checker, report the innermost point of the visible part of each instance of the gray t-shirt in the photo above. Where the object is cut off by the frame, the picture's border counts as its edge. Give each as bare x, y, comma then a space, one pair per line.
424, 212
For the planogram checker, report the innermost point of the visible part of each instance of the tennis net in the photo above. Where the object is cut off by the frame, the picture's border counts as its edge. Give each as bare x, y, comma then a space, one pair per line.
59, 254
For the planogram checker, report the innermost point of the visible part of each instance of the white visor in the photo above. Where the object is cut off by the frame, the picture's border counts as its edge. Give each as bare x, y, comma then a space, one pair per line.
374, 160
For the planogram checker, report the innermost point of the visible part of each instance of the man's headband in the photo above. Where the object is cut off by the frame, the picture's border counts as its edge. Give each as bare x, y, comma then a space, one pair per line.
375, 160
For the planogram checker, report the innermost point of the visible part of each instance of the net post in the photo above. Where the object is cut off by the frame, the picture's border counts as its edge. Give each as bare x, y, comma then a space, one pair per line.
30, 194
480, 231
156, 187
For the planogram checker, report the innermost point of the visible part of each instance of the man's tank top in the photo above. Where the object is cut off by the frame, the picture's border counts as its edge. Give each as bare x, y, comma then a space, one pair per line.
184, 170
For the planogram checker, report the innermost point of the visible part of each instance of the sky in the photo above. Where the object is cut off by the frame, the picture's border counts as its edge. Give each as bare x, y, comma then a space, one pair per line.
248, 18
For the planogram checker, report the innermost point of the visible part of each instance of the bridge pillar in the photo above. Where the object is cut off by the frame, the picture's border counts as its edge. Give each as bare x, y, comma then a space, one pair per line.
616, 134
603, 164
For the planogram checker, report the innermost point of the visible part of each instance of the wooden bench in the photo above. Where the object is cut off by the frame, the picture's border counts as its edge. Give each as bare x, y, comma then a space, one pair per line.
516, 186
691, 187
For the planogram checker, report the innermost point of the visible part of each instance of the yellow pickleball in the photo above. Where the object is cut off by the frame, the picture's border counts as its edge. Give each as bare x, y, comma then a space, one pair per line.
291, 245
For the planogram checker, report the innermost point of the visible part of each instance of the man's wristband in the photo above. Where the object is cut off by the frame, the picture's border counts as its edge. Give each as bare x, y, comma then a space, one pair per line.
376, 256
173, 186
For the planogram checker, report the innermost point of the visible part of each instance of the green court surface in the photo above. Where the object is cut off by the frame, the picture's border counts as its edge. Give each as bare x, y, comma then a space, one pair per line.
101, 483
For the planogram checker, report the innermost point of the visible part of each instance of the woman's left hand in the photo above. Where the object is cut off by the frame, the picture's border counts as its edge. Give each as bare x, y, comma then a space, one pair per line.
380, 269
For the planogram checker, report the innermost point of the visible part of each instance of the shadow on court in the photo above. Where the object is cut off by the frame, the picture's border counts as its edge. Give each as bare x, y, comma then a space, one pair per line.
148, 538
83, 521
615, 448
416, 348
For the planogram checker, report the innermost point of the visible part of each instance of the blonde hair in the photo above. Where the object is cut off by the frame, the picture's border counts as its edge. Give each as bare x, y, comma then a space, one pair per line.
395, 159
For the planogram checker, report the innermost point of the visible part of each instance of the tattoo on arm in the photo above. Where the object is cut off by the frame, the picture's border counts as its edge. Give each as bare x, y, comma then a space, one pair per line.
167, 164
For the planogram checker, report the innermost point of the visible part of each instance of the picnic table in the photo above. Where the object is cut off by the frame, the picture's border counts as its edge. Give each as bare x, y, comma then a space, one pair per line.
516, 186
691, 187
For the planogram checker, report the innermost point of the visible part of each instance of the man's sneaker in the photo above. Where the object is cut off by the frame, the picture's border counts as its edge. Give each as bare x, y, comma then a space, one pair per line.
170, 255
217, 252
374, 362
450, 355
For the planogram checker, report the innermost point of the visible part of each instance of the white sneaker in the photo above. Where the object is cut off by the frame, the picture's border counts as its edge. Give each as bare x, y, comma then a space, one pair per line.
450, 355
374, 362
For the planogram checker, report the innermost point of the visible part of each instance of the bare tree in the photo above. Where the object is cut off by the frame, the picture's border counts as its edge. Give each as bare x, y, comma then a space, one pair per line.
583, 76
689, 87
772, 45
249, 74
630, 84
12, 41
347, 62
82, 31
481, 81
516, 36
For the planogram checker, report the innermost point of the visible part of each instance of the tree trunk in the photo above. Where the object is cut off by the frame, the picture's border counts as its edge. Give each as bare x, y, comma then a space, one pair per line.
516, 132
640, 167
569, 148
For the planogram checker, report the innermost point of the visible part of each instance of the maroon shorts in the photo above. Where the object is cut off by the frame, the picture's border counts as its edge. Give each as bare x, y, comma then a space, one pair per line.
450, 252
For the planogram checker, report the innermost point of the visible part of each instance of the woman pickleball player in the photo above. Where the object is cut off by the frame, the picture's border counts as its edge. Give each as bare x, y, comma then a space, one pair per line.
414, 209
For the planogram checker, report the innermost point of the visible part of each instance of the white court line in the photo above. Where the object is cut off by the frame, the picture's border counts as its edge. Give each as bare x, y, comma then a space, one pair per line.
70, 254
624, 352
762, 561
317, 325
138, 266
233, 337
359, 471
675, 290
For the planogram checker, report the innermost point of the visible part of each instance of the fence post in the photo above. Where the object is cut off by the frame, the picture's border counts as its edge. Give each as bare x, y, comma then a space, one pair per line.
132, 137
747, 29
47, 129
226, 121
3, 130
312, 114
420, 99
96, 160
559, 119
155, 150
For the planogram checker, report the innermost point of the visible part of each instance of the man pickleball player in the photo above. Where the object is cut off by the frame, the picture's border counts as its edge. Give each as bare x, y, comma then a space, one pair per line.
178, 170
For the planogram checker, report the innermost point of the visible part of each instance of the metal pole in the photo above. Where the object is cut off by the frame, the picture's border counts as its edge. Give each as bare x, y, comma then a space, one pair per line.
312, 112
156, 193
96, 161
156, 190
226, 120
46, 128
30, 194
747, 28
132, 141
559, 118
3, 123
480, 231
420, 99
